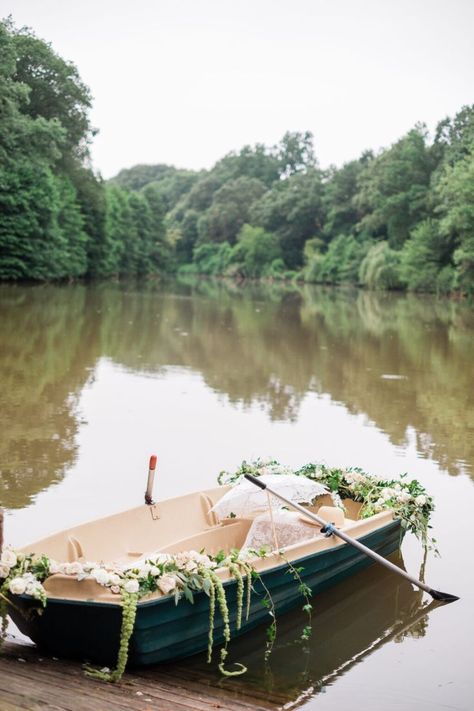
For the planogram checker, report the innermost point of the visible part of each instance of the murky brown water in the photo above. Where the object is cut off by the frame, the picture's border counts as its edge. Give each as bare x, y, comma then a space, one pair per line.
94, 379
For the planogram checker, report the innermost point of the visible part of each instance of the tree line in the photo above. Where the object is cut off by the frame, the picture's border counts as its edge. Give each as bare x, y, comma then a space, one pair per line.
401, 218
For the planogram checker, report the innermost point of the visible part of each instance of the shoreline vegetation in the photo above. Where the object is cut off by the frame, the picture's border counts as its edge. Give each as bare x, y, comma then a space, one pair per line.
401, 218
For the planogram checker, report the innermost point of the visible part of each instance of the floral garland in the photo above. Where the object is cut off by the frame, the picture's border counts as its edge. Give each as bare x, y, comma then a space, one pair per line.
180, 575
407, 499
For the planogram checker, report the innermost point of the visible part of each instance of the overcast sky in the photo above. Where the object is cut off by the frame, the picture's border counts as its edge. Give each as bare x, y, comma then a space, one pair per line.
186, 81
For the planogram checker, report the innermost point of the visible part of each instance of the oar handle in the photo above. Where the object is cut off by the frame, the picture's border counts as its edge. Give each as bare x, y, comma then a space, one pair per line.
256, 481
151, 478
436, 594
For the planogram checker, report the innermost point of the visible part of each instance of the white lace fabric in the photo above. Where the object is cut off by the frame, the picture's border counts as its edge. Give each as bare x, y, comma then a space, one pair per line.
287, 526
245, 498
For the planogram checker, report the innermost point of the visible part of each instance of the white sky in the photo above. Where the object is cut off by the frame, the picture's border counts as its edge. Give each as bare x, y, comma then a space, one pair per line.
186, 81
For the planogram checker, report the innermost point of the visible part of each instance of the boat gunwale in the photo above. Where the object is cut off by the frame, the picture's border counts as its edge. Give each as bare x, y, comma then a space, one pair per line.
162, 599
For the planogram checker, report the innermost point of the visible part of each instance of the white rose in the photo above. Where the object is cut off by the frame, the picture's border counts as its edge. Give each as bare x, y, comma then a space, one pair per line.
8, 558
404, 497
144, 570
190, 566
387, 493
155, 571
166, 584
131, 586
163, 558
17, 586
53, 567
181, 559
4, 571
206, 562
420, 500
114, 579
72, 568
33, 588
100, 575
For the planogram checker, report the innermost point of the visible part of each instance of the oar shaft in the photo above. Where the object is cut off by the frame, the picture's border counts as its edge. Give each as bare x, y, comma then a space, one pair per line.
436, 594
352, 541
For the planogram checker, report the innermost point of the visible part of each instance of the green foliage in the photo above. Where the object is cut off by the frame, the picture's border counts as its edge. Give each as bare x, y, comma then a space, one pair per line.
296, 153
230, 209
170, 182
400, 219
57, 219
380, 268
257, 162
257, 251
292, 211
423, 256
339, 264
455, 137
408, 499
393, 189
212, 258
456, 190
341, 189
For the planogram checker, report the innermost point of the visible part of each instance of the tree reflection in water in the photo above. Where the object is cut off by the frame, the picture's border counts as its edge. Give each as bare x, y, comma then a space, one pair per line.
268, 346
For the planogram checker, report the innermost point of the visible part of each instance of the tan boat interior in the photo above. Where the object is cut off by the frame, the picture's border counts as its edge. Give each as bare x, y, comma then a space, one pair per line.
179, 524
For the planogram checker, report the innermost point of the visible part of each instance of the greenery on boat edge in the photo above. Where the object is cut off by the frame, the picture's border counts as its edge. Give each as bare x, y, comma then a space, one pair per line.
407, 498
186, 573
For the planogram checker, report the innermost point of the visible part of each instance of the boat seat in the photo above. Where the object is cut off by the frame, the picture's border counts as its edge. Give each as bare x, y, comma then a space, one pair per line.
221, 537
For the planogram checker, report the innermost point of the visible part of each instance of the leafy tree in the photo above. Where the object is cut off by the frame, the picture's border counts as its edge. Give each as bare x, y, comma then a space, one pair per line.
230, 209
293, 211
456, 191
423, 256
340, 190
187, 235
393, 192
116, 229
171, 182
454, 137
296, 153
340, 263
380, 268
160, 247
256, 250
257, 162
56, 91
211, 258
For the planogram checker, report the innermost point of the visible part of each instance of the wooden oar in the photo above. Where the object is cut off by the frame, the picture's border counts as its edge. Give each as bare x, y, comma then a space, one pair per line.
329, 528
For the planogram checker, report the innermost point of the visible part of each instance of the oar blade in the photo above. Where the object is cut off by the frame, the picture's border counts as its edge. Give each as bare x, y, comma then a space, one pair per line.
444, 597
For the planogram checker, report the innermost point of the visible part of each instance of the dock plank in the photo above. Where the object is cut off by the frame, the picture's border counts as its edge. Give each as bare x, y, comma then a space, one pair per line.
30, 681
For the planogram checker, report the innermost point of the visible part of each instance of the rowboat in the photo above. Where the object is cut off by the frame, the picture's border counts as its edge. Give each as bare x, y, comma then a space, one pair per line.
82, 619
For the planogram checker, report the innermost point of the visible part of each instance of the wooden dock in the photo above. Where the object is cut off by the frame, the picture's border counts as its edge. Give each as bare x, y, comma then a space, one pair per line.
32, 681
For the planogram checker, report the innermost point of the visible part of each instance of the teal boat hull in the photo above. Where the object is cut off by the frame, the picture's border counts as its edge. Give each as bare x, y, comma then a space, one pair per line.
164, 631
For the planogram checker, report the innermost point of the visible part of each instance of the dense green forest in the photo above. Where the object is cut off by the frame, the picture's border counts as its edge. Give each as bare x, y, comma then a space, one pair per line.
402, 218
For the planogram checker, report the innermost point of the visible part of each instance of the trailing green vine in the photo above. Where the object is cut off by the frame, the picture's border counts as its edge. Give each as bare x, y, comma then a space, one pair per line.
129, 611
305, 591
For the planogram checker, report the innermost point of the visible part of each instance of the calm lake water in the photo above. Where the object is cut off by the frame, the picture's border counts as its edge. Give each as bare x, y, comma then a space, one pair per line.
96, 378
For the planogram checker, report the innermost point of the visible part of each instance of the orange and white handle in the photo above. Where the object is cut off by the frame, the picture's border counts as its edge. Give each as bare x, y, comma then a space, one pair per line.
151, 478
